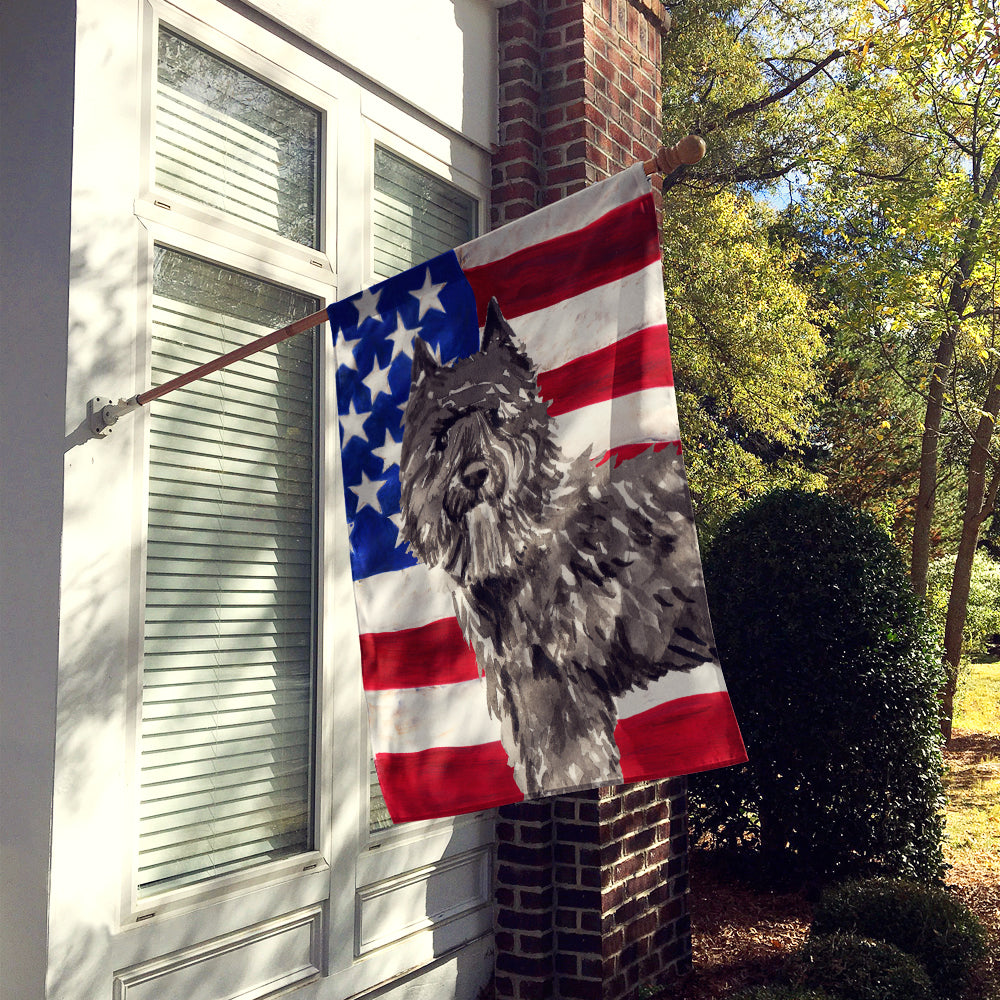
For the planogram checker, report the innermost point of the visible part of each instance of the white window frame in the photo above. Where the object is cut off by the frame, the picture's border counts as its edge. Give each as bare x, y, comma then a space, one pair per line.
350, 871
180, 224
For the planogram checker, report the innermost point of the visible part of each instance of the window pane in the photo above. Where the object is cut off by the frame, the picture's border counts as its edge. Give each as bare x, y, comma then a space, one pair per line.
416, 216
226, 139
228, 679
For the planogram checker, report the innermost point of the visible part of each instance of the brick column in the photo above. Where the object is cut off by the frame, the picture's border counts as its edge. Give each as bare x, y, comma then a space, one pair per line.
579, 96
591, 889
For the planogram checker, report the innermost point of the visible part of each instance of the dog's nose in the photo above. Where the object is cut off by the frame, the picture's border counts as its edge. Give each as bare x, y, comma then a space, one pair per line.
474, 475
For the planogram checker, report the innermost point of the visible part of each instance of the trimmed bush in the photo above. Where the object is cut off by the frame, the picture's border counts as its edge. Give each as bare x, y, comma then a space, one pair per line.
925, 922
857, 968
833, 672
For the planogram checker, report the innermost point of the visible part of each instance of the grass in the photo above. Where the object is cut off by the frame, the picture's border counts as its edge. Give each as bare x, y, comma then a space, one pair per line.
978, 698
973, 810
973, 782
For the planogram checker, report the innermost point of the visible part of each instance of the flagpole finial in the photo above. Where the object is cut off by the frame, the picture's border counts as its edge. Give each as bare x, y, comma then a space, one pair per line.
688, 151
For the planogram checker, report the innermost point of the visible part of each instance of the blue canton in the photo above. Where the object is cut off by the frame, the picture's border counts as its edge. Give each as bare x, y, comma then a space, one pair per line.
373, 335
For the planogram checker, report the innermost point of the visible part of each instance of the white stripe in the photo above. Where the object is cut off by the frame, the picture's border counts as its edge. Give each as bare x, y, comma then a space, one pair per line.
592, 320
447, 715
565, 216
405, 598
704, 679
648, 415
408, 720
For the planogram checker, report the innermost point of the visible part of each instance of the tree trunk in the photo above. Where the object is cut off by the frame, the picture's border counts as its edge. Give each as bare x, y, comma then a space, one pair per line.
980, 499
958, 299
920, 553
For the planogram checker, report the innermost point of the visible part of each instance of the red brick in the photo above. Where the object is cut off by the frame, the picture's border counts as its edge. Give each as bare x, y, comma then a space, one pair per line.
581, 989
567, 174
510, 152
571, 14
520, 920
517, 111
520, 130
563, 54
518, 49
535, 944
516, 875
521, 90
537, 966
577, 941
641, 927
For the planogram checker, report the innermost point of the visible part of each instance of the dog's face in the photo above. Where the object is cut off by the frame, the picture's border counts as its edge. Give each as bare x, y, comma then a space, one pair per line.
477, 457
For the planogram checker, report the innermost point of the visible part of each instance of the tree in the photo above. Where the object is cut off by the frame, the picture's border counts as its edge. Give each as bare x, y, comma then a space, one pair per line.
746, 76
747, 356
914, 184
747, 352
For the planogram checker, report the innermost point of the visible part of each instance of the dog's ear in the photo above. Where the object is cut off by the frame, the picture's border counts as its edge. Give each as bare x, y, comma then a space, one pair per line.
497, 334
423, 361
497, 331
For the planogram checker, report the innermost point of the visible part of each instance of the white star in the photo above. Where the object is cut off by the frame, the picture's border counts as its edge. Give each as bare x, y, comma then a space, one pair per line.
388, 452
427, 295
397, 520
345, 355
367, 493
367, 306
402, 339
352, 422
377, 381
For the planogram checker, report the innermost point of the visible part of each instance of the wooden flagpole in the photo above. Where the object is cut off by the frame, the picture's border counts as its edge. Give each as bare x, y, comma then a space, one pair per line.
688, 151
102, 413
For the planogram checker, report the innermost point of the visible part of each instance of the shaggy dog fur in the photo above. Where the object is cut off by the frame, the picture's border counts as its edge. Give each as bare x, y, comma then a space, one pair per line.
572, 583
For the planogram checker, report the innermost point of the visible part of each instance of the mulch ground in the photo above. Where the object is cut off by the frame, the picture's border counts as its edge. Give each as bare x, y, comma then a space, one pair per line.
743, 934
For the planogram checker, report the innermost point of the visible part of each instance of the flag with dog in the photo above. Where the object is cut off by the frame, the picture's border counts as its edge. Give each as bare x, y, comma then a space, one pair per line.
527, 578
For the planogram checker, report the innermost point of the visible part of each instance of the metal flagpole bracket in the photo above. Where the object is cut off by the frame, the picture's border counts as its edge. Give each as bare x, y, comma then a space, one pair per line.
103, 413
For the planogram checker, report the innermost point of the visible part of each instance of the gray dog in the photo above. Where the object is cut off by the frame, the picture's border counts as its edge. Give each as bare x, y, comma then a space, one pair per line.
572, 585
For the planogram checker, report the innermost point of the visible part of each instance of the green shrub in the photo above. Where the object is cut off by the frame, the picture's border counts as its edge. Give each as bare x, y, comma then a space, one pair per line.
833, 673
857, 968
926, 922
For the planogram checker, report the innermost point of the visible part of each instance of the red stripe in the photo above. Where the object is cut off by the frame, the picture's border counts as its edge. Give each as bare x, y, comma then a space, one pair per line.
638, 361
416, 657
626, 451
683, 736
619, 243
446, 781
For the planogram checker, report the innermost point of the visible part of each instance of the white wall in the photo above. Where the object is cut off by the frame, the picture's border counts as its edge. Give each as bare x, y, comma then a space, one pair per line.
36, 109
72, 293
416, 51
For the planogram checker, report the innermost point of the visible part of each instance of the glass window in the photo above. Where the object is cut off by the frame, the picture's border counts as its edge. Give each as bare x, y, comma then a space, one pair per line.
228, 680
228, 140
416, 215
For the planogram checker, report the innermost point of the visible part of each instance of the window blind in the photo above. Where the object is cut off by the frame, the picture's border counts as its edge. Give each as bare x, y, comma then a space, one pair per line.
415, 216
228, 664
228, 140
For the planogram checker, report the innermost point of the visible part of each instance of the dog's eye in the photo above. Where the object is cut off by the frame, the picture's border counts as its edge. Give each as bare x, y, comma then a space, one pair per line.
441, 439
494, 418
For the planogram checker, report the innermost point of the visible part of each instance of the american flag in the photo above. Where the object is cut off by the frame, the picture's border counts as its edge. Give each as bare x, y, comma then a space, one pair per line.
580, 283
